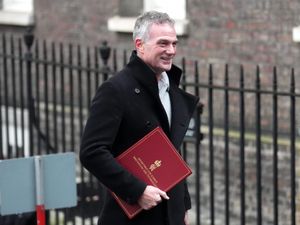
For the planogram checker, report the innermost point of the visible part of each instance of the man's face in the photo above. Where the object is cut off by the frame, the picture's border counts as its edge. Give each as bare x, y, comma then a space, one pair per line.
159, 48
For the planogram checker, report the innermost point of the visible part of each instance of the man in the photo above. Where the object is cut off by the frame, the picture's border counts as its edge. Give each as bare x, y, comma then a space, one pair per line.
142, 96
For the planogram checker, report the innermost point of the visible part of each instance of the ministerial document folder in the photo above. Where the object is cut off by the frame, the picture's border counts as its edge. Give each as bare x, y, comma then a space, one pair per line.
154, 160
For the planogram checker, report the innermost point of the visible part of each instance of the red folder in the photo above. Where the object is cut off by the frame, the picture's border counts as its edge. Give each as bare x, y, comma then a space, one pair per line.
154, 160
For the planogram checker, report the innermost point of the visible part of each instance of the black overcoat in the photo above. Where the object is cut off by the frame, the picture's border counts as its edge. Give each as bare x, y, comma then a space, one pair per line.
125, 108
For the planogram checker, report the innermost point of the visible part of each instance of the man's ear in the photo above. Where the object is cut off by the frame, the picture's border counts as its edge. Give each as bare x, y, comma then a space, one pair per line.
139, 45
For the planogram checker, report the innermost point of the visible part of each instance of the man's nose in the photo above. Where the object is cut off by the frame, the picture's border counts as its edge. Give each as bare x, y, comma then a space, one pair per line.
171, 49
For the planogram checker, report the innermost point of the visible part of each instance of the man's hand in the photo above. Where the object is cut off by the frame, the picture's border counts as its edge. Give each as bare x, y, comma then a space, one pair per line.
151, 197
186, 218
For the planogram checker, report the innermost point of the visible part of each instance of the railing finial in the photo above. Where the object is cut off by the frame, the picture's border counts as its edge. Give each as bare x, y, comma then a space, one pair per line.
29, 38
105, 52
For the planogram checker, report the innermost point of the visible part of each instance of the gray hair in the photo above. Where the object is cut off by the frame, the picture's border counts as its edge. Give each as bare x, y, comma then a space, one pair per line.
144, 22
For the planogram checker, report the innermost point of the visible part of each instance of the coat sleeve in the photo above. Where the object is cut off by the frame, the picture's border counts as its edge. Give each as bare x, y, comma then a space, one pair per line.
97, 141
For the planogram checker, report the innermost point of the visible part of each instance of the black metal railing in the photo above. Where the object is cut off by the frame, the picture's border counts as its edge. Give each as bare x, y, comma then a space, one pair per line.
244, 168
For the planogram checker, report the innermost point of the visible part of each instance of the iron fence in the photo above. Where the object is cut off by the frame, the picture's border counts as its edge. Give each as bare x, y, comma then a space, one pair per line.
244, 169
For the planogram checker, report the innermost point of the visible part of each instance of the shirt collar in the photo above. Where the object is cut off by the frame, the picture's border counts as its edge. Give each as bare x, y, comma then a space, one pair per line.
163, 81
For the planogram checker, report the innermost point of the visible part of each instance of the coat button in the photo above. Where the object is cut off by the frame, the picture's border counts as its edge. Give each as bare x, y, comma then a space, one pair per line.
137, 91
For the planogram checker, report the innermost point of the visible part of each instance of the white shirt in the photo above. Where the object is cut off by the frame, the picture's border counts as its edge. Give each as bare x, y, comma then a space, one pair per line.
163, 88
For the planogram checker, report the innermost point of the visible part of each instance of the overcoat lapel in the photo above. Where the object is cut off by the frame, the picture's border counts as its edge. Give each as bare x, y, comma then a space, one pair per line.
158, 107
147, 79
180, 118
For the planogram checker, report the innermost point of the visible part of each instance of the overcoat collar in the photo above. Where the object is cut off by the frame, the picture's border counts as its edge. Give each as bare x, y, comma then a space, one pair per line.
180, 117
143, 73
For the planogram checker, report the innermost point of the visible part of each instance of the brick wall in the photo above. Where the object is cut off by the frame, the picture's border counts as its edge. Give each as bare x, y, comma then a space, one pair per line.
231, 31
74, 20
243, 31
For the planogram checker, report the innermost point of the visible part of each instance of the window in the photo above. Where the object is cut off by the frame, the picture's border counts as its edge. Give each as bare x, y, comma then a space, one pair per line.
176, 9
130, 8
124, 22
16, 12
